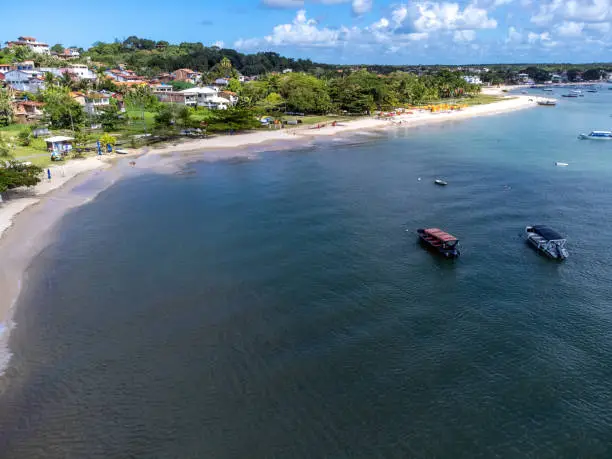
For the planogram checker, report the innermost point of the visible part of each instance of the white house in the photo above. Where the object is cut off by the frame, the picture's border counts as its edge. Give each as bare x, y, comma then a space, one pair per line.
94, 101
163, 88
472, 79
31, 42
25, 80
82, 72
201, 96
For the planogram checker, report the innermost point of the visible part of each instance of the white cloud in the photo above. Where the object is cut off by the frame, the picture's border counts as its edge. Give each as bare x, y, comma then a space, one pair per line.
573, 10
570, 29
361, 6
283, 3
514, 36
301, 32
431, 16
464, 36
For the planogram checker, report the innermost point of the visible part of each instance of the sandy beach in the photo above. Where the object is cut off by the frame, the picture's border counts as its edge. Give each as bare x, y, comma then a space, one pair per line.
28, 215
417, 118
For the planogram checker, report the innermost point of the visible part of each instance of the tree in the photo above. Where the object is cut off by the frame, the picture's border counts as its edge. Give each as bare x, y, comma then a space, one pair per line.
17, 174
234, 119
233, 85
537, 74
5, 148
22, 53
106, 140
593, 74
6, 107
182, 85
573, 74
109, 117
304, 93
58, 48
25, 137
61, 110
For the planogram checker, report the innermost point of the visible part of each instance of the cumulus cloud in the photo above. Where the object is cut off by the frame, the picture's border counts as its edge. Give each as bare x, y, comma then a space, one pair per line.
301, 32
570, 29
464, 35
428, 16
361, 6
551, 11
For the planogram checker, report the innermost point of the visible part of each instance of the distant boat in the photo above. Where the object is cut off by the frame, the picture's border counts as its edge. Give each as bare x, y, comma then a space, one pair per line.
597, 135
569, 95
547, 102
591, 90
561, 164
547, 241
547, 89
440, 241
576, 92
440, 182
121, 152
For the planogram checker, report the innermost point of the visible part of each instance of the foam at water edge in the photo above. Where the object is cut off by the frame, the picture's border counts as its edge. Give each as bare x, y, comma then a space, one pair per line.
5, 352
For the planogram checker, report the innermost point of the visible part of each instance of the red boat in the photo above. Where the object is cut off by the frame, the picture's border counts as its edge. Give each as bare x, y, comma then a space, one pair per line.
440, 241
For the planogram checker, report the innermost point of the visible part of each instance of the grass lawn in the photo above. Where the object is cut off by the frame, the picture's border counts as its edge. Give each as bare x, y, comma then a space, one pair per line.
480, 99
317, 119
135, 122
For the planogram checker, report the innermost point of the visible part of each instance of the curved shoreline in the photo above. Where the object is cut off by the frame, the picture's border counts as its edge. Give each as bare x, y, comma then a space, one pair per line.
26, 223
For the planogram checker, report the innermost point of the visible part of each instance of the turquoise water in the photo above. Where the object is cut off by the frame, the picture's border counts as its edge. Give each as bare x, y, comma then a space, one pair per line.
282, 307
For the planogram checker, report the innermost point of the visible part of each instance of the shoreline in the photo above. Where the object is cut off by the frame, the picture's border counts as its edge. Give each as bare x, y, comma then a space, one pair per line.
27, 219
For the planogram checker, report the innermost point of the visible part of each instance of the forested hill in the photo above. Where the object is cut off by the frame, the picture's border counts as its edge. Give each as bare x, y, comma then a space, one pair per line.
152, 57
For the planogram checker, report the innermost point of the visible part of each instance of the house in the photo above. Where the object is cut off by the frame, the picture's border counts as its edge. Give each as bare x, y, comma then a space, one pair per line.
68, 53
25, 80
229, 95
5, 68
221, 82
186, 75
25, 65
195, 97
523, 78
124, 76
161, 88
31, 42
26, 111
59, 144
472, 79
82, 72
92, 101
164, 78
288, 71
556, 79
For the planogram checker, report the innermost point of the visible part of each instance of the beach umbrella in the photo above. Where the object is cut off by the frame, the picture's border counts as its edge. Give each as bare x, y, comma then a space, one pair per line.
109, 148
99, 148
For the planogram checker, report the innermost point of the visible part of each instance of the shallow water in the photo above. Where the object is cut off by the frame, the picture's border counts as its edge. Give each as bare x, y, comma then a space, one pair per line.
279, 307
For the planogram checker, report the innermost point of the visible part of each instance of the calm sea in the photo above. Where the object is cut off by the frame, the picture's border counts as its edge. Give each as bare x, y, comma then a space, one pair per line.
282, 307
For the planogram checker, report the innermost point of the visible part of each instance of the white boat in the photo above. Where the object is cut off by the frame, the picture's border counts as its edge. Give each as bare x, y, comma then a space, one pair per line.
547, 102
440, 182
547, 241
561, 164
597, 135
576, 93
547, 89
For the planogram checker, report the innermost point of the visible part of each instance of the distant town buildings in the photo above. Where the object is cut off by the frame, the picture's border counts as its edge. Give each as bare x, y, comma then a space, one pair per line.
30, 42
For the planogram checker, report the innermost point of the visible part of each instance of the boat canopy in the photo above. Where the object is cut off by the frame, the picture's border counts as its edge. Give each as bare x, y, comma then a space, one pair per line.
440, 235
547, 233
601, 133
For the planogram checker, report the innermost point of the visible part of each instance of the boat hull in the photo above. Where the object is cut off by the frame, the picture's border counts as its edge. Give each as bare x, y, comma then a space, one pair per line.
549, 249
444, 251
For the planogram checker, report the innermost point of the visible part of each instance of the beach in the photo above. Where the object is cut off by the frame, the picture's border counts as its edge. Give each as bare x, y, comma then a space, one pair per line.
28, 215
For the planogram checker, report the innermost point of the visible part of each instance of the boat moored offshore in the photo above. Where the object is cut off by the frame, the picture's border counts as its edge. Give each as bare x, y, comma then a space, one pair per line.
597, 135
547, 102
547, 241
440, 241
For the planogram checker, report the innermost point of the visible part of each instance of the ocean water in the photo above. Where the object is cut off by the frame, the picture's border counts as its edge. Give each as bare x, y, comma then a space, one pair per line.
282, 307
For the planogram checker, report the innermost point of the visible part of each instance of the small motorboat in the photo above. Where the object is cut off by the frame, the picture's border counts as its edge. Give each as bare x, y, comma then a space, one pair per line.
440, 182
576, 92
440, 241
591, 90
121, 152
547, 241
597, 135
569, 95
547, 90
561, 164
547, 102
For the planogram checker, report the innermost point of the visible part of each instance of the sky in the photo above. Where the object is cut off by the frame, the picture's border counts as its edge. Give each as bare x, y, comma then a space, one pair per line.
339, 31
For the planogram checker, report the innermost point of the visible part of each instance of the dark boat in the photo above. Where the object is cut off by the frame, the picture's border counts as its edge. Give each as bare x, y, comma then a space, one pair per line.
547, 241
440, 241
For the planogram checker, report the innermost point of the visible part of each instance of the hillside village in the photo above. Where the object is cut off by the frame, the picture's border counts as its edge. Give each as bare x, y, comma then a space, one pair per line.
57, 101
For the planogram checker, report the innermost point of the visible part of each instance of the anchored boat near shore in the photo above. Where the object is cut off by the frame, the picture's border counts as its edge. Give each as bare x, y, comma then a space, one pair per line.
440, 241
547, 241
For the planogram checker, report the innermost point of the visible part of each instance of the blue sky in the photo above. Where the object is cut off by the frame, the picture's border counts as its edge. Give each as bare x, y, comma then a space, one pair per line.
340, 31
